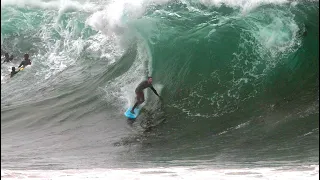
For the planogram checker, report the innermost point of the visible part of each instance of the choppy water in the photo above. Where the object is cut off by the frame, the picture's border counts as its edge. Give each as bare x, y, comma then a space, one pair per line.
239, 81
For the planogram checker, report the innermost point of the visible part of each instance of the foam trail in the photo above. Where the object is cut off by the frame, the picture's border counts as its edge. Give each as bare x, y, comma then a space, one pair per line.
310, 172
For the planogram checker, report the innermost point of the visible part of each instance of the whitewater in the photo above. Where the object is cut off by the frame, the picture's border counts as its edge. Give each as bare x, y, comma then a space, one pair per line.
239, 82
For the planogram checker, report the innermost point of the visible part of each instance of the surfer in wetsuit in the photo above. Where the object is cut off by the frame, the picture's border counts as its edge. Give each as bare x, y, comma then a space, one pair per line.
25, 62
13, 72
139, 92
7, 58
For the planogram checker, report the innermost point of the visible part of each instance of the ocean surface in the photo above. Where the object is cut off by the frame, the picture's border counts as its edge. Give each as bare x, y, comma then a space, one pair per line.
239, 81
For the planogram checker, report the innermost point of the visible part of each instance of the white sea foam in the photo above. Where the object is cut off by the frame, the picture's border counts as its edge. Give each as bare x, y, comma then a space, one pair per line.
168, 173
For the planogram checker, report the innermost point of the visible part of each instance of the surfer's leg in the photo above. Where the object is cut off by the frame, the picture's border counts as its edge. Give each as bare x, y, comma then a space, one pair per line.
140, 99
135, 105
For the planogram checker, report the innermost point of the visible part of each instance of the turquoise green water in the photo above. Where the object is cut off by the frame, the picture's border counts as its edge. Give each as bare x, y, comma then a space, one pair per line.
240, 83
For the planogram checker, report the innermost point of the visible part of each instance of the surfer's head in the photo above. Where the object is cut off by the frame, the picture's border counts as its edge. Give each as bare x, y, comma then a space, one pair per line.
149, 79
13, 69
26, 56
6, 55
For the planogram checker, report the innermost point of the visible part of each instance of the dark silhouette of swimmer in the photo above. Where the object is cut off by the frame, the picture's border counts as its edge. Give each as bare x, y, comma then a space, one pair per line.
13, 72
25, 62
7, 58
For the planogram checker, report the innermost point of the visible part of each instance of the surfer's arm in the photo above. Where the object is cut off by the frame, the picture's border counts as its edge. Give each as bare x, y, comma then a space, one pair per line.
20, 64
151, 87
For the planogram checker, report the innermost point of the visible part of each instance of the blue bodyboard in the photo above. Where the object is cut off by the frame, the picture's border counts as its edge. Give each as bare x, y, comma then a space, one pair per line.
129, 115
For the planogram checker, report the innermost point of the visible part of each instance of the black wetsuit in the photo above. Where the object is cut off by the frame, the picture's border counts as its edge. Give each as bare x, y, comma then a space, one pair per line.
13, 73
24, 63
143, 85
139, 92
8, 59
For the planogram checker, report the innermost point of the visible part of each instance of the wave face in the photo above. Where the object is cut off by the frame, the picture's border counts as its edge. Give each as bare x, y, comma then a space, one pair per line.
239, 81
